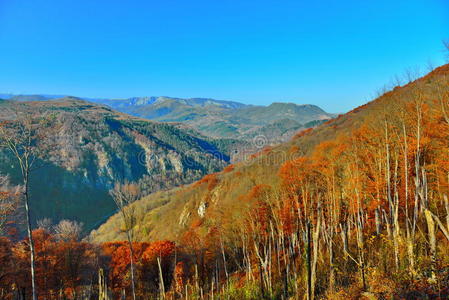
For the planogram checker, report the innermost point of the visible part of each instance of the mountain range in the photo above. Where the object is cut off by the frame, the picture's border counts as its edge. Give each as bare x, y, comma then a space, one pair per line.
277, 122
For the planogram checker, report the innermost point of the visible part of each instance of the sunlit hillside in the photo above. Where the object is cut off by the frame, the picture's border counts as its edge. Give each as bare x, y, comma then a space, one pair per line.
216, 191
366, 192
354, 208
224, 150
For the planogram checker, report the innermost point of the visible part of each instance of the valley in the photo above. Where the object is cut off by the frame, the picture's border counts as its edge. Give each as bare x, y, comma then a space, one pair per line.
224, 150
334, 199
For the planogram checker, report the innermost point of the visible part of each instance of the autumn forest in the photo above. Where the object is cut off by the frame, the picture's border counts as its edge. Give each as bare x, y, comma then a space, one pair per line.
224, 150
361, 210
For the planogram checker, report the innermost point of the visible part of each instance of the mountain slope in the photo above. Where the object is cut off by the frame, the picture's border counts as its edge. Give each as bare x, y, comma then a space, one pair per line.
97, 147
219, 198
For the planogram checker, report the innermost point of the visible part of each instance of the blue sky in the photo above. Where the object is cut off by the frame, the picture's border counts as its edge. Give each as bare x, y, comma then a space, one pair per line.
335, 54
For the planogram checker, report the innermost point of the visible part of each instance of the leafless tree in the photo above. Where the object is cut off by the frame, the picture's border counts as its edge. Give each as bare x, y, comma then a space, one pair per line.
430, 65
397, 81
26, 135
124, 195
411, 74
68, 230
45, 224
381, 91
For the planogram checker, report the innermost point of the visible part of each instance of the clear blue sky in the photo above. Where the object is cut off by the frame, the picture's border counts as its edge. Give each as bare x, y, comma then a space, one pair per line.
334, 54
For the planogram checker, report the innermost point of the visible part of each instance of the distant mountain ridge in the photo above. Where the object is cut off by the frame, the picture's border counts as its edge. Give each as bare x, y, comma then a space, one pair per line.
132, 101
141, 101
215, 118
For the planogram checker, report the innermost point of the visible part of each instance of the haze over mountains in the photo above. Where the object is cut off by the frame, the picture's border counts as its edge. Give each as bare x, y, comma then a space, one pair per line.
215, 118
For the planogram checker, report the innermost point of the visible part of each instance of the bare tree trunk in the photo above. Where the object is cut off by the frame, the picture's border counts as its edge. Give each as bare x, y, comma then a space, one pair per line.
224, 259
27, 140
309, 261
30, 236
408, 223
102, 286
316, 235
263, 265
329, 233
446, 205
432, 239
360, 246
161, 279
262, 286
344, 239
124, 195
392, 220
440, 224
396, 228
197, 280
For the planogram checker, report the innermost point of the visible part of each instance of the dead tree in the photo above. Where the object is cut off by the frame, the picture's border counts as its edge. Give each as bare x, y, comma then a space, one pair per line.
27, 135
124, 195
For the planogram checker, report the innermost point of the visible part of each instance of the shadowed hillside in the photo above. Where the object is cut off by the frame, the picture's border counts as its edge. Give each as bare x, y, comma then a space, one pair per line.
96, 147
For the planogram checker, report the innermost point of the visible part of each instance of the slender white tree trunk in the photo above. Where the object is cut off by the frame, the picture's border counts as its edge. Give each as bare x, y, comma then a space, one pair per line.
30, 236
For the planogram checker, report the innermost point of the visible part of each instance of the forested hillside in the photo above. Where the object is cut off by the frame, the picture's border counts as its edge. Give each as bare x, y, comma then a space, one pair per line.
95, 147
129, 170
357, 206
